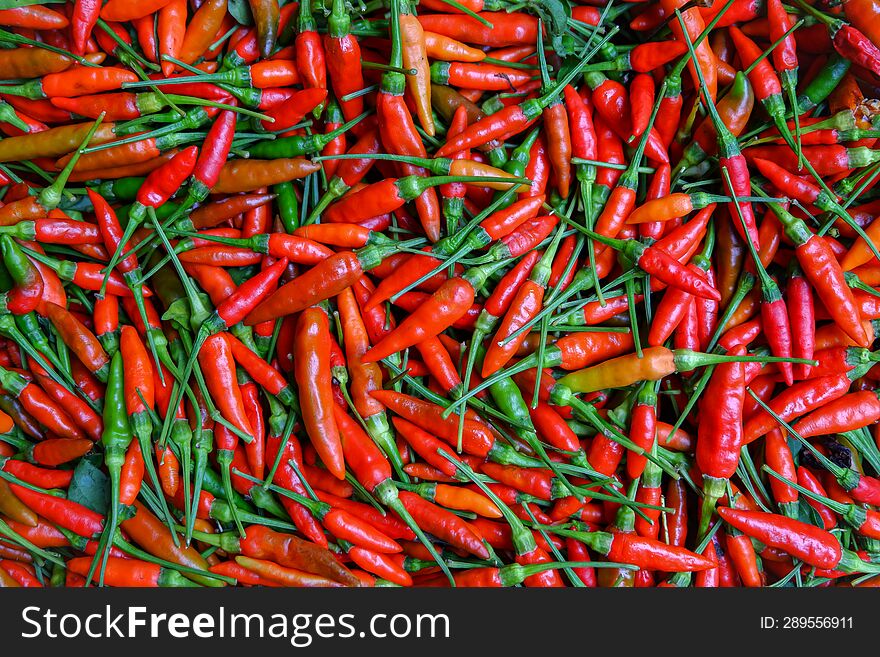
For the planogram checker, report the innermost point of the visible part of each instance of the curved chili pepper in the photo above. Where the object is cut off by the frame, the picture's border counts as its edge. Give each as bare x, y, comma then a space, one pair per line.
693, 22
806, 542
201, 29
312, 371
153, 536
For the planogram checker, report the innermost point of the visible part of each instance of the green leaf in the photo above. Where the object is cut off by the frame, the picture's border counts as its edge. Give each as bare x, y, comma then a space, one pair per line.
240, 10
795, 446
555, 15
90, 487
178, 312
808, 514
846, 538
241, 274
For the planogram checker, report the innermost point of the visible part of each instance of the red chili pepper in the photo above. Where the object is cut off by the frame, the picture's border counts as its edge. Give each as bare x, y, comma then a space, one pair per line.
806, 542
79, 339
444, 524
809, 481
448, 304
477, 439
312, 370
778, 457
506, 29
68, 514
343, 61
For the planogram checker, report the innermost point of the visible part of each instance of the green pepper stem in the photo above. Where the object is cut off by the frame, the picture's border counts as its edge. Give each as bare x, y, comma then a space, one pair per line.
834, 505
724, 134
9, 533
127, 49
766, 53
523, 541
285, 438
11, 37
836, 470
547, 99
244, 111
193, 119
50, 197
679, 67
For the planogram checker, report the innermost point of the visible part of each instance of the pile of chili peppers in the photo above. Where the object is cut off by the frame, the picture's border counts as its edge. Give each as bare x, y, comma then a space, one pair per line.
449, 293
